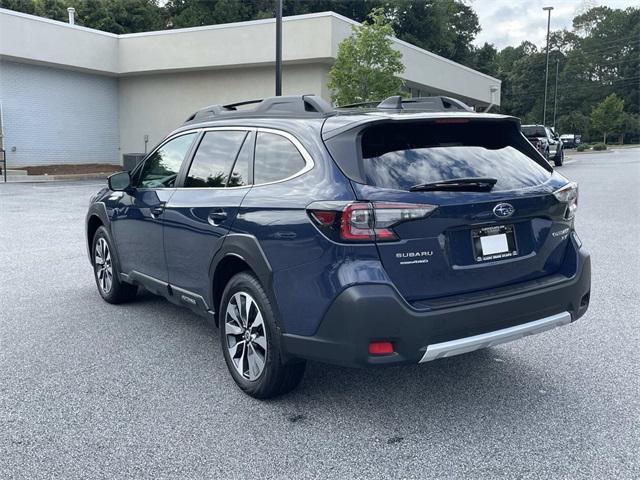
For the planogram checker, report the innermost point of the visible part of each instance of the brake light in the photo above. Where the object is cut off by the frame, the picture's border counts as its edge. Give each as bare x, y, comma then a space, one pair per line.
569, 195
364, 221
380, 348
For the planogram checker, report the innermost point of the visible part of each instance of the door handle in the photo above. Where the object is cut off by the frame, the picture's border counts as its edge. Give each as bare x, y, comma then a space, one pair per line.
157, 210
216, 217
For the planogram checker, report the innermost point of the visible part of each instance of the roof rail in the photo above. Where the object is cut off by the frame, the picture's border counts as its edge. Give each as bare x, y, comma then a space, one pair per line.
435, 104
299, 105
314, 106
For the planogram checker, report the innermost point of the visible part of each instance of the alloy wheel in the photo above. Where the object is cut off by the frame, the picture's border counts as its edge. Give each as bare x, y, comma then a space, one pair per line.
103, 265
246, 336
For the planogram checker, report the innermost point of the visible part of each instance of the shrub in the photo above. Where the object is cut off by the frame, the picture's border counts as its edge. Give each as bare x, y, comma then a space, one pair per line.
581, 148
599, 146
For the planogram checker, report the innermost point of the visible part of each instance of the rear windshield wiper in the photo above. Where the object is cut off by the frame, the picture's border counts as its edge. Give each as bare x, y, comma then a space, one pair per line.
457, 184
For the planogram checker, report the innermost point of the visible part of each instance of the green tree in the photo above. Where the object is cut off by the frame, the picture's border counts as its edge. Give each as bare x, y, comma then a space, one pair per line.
24, 6
629, 127
607, 115
444, 27
115, 16
122, 16
485, 59
196, 13
598, 57
574, 122
366, 65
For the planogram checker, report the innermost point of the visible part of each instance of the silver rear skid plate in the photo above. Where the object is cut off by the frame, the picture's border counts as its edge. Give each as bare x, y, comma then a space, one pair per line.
491, 339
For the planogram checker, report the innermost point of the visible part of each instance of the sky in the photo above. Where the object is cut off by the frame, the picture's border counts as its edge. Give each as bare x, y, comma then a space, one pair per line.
509, 22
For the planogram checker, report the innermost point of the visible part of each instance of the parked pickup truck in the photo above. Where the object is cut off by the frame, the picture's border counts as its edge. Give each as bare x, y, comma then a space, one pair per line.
546, 141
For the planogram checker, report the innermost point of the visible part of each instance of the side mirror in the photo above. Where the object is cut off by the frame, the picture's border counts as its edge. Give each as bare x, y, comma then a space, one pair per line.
119, 181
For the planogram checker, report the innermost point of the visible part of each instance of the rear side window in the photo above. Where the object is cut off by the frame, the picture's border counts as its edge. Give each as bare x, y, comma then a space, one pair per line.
276, 158
399, 156
214, 159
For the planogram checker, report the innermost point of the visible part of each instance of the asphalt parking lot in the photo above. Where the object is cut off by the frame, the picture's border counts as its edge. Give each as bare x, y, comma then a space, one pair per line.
91, 390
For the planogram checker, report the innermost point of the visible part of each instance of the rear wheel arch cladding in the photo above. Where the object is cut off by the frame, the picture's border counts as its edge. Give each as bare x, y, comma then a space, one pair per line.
228, 266
245, 249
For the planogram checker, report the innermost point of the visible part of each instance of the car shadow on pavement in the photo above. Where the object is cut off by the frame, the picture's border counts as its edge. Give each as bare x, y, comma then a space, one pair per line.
490, 388
476, 383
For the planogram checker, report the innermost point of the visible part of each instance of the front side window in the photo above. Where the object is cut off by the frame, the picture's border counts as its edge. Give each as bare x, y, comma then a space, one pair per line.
216, 155
161, 168
276, 158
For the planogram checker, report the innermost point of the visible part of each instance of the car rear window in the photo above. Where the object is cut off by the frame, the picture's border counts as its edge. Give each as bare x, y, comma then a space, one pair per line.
399, 156
534, 131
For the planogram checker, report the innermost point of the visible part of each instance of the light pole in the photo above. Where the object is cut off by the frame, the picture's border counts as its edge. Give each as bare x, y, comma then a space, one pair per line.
546, 75
278, 48
555, 94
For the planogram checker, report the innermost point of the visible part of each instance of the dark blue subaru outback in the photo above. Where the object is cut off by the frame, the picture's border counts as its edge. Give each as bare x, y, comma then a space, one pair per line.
371, 235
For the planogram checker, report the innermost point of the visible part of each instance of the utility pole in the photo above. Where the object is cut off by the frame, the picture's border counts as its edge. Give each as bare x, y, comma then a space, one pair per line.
546, 75
278, 48
555, 95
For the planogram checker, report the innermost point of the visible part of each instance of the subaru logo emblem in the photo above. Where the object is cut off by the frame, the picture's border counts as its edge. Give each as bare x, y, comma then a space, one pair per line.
503, 210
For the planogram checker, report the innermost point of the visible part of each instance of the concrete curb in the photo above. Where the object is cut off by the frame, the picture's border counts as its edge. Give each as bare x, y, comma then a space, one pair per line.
591, 152
55, 178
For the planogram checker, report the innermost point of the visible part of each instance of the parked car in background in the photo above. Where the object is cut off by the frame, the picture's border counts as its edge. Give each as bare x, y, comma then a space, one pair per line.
402, 233
570, 140
546, 141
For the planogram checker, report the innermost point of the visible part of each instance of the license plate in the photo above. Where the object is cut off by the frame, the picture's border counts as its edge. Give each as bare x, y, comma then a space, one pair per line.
493, 243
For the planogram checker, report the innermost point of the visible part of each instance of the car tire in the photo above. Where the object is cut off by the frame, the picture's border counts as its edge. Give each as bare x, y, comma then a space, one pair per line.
106, 270
559, 160
251, 342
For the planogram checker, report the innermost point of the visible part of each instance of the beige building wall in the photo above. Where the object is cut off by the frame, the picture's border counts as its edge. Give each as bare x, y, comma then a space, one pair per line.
156, 104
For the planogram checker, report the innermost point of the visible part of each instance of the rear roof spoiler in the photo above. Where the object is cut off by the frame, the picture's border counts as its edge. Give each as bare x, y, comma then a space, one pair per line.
430, 104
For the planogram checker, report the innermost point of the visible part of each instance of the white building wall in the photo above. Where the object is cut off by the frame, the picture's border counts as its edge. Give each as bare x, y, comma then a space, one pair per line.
53, 116
35, 39
305, 38
94, 95
156, 104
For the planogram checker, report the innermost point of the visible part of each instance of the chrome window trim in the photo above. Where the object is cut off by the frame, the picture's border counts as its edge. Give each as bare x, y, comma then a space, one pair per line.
213, 129
158, 147
308, 160
309, 163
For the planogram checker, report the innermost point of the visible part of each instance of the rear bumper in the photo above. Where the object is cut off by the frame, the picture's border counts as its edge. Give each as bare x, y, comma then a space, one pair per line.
376, 312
